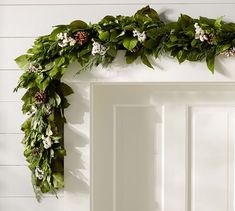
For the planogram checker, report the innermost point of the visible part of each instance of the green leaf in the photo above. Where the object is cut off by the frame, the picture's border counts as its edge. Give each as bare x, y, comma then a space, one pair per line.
130, 58
45, 187
57, 99
103, 35
145, 60
210, 60
112, 51
66, 90
149, 12
78, 24
22, 61
58, 180
217, 23
173, 38
130, 43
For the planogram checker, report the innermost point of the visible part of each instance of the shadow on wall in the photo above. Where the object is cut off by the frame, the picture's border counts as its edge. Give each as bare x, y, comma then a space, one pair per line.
77, 141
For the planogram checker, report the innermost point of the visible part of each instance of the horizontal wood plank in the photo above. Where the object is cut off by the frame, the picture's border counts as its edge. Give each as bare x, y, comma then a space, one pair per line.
11, 150
29, 204
8, 81
11, 117
12, 48
90, 2
30, 19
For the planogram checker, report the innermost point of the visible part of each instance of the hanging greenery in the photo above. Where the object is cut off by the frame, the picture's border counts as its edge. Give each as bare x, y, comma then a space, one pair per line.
140, 36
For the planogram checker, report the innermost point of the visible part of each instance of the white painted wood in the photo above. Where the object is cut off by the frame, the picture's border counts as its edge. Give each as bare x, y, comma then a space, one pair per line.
212, 144
12, 48
9, 80
137, 158
20, 181
11, 149
30, 203
209, 180
115, 2
29, 19
11, 117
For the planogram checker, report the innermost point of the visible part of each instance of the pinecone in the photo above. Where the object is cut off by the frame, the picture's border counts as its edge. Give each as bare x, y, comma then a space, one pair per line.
81, 37
36, 151
40, 97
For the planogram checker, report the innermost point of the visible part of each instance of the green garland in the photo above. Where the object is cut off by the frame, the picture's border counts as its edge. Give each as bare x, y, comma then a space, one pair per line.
141, 36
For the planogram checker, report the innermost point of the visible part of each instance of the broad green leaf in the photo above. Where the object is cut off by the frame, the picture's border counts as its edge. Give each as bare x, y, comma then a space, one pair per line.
45, 187
22, 61
78, 24
112, 51
66, 90
145, 60
130, 43
210, 60
104, 35
58, 180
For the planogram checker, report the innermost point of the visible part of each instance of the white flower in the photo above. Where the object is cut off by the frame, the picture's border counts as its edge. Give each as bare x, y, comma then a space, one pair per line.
98, 48
47, 142
140, 36
39, 173
200, 33
229, 52
65, 40
32, 68
33, 110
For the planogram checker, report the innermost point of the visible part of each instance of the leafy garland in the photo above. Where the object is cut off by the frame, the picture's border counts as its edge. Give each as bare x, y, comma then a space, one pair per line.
141, 36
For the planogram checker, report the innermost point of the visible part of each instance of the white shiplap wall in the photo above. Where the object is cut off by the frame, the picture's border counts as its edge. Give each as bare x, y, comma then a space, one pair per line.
23, 20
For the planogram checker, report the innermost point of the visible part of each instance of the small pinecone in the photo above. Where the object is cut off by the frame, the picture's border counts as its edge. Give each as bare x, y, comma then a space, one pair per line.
81, 37
36, 151
40, 97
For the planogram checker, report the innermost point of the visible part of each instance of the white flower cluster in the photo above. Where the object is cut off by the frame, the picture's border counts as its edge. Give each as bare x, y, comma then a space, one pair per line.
229, 52
200, 33
33, 110
140, 36
98, 48
65, 40
39, 173
47, 142
32, 68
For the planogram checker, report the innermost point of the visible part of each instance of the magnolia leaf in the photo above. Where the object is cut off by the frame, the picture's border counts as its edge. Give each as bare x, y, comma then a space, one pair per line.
22, 61
130, 43
66, 89
130, 58
78, 24
112, 51
58, 180
104, 35
210, 60
145, 60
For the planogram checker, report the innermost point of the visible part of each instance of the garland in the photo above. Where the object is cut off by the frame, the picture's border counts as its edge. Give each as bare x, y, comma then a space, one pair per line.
141, 36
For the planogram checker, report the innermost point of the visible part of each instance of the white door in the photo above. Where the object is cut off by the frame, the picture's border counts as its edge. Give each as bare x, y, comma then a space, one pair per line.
162, 147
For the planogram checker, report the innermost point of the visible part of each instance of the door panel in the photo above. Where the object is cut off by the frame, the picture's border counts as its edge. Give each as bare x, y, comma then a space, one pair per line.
162, 147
